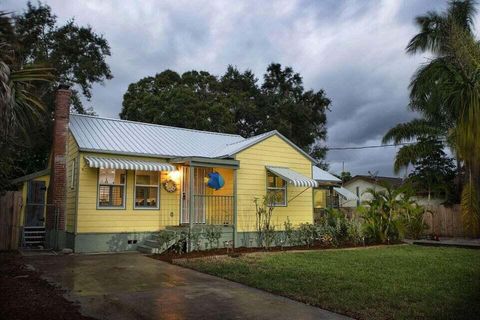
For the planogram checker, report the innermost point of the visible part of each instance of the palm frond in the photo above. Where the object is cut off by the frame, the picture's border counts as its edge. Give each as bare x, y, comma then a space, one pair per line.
408, 131
471, 209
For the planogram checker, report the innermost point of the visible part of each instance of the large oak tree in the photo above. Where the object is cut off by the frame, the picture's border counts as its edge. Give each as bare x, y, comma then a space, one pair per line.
233, 103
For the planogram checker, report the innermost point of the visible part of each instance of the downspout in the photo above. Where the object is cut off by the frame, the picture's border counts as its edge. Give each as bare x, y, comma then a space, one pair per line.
190, 206
235, 213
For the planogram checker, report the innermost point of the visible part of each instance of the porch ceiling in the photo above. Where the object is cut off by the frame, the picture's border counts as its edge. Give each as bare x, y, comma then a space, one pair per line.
207, 162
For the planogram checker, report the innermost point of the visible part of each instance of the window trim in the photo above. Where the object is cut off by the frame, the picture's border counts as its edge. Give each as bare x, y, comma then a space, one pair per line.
135, 207
124, 206
285, 204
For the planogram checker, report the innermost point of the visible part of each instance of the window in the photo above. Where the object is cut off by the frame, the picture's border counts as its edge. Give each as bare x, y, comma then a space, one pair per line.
320, 198
276, 190
146, 189
111, 188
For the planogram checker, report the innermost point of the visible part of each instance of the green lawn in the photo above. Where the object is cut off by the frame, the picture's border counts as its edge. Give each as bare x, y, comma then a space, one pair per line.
396, 282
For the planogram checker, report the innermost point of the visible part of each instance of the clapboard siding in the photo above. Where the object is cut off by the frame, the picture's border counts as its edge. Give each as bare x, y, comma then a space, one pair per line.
251, 177
91, 219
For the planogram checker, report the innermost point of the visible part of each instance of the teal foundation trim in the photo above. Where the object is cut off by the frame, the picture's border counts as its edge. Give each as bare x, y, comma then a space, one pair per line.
55, 239
109, 242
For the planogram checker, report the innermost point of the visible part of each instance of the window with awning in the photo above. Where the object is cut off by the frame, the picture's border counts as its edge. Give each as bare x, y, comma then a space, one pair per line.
127, 164
293, 177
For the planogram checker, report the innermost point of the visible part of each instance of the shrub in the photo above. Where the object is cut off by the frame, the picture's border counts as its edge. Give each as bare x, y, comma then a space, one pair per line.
414, 223
307, 234
213, 235
263, 214
289, 232
195, 238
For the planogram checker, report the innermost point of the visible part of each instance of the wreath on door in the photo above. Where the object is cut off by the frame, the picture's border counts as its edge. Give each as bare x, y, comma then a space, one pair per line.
170, 186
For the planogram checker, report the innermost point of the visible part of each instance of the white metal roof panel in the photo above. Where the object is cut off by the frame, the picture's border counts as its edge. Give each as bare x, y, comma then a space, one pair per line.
127, 137
345, 193
322, 175
293, 177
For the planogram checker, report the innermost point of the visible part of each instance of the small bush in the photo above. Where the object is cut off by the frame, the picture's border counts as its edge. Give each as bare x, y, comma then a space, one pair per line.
213, 235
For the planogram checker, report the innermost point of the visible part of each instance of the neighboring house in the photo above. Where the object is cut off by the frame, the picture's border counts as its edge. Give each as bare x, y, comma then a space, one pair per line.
113, 184
359, 184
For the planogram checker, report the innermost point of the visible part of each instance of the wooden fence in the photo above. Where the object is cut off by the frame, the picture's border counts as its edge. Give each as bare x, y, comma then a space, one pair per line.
445, 221
10, 228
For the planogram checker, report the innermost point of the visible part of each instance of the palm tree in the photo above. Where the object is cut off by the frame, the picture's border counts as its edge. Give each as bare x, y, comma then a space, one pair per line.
19, 103
446, 92
426, 96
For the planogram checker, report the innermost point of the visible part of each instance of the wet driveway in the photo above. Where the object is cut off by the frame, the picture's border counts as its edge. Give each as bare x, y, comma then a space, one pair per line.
132, 286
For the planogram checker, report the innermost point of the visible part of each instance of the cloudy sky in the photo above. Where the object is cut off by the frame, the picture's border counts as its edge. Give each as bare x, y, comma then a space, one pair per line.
354, 50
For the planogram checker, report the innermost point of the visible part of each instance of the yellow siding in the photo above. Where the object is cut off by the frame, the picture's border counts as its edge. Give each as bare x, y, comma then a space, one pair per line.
252, 183
91, 219
72, 174
45, 178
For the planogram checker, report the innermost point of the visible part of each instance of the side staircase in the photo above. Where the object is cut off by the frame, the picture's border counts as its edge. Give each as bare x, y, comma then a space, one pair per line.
163, 240
33, 236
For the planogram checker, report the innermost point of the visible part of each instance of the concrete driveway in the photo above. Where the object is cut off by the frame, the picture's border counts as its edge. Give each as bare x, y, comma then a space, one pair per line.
132, 286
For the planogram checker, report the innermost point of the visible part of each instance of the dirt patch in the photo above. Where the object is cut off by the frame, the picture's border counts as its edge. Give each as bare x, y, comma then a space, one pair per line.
24, 295
170, 256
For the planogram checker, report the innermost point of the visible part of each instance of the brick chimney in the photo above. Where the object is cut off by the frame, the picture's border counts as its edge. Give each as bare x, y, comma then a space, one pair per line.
57, 191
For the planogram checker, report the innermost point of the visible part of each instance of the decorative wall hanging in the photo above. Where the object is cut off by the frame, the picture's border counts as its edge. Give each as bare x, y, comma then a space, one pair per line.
215, 180
170, 186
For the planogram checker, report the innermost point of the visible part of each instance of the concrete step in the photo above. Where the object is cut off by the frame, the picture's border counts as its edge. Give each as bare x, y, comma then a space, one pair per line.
153, 243
146, 249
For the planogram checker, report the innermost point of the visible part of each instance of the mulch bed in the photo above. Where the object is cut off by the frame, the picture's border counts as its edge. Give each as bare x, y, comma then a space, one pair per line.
24, 295
170, 256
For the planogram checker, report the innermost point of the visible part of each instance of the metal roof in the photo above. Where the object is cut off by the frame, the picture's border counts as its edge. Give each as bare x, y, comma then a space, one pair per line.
116, 136
128, 137
293, 177
236, 147
324, 176
345, 193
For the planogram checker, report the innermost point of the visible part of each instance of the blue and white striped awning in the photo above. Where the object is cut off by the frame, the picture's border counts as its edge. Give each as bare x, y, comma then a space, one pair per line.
127, 164
293, 177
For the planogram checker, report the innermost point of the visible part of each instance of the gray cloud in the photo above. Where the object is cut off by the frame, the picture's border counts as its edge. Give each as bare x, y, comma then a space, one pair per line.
352, 49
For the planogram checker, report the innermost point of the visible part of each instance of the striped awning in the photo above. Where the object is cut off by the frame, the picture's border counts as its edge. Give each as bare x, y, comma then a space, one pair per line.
293, 177
127, 164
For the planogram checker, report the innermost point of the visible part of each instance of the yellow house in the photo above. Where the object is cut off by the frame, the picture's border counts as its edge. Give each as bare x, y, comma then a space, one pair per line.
115, 185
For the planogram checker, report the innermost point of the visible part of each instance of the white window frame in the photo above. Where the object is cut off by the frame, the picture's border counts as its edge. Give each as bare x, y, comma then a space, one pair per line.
123, 206
285, 202
146, 186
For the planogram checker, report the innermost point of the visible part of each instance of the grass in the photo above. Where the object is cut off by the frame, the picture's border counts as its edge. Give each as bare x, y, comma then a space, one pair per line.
396, 282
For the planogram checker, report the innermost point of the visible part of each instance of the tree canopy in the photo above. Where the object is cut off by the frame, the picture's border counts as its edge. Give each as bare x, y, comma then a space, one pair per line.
233, 103
72, 54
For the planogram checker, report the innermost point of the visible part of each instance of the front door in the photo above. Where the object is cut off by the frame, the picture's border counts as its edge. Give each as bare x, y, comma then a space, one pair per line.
200, 191
35, 207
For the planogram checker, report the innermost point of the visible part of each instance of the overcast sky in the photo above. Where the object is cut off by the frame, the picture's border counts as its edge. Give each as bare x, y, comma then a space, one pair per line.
354, 50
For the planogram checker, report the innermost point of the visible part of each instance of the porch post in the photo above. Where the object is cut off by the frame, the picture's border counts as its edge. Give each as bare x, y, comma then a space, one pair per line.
190, 206
235, 203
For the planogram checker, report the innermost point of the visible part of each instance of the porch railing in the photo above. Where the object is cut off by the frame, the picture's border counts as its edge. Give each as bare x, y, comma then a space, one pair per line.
211, 209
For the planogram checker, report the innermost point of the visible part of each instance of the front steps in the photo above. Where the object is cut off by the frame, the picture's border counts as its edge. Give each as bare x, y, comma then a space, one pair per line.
162, 241
33, 236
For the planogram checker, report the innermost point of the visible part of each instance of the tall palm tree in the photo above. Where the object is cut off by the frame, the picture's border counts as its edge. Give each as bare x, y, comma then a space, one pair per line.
446, 92
19, 103
426, 96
